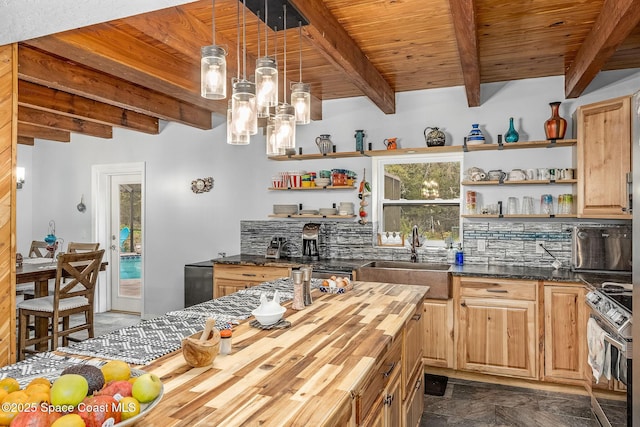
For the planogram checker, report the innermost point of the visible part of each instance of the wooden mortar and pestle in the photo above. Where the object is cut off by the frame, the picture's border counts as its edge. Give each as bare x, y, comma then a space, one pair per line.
201, 348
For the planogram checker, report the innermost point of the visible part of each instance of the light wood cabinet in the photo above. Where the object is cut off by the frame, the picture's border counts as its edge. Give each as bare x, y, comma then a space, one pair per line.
438, 333
230, 278
565, 328
604, 158
497, 327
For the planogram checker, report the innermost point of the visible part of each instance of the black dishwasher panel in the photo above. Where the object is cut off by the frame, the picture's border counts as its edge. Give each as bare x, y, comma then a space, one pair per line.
198, 282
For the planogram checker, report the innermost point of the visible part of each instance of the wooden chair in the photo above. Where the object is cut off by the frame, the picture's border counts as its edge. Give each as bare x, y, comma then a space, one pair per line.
75, 296
74, 247
39, 250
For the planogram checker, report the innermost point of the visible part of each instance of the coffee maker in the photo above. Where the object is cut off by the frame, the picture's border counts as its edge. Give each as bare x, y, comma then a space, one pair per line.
310, 241
274, 250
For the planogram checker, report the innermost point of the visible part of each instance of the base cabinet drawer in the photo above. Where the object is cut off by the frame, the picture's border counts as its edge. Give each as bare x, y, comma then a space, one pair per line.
229, 278
414, 404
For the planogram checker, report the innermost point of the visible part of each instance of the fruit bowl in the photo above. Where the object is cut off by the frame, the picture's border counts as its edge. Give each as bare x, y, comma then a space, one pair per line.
144, 407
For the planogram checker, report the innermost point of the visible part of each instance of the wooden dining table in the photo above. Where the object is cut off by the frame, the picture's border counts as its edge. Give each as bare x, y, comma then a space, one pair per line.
40, 274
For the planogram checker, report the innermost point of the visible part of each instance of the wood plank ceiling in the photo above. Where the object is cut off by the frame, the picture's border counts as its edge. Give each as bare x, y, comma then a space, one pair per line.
132, 73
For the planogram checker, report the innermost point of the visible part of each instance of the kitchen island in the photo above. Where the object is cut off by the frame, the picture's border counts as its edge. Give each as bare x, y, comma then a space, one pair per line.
334, 365
313, 373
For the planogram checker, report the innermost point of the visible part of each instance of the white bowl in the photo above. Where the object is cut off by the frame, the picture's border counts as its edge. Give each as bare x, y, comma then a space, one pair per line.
267, 319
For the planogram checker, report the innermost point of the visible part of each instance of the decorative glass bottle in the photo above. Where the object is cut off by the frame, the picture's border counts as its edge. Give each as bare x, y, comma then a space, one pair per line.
555, 126
475, 135
512, 134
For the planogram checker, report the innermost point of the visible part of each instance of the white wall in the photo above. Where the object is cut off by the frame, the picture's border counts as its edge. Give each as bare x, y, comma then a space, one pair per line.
184, 227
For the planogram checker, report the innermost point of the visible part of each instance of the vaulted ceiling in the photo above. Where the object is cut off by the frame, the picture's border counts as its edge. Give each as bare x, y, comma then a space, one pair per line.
136, 71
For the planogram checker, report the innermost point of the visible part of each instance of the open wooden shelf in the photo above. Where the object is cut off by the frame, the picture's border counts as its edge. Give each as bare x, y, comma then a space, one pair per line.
519, 216
523, 182
426, 150
328, 187
310, 216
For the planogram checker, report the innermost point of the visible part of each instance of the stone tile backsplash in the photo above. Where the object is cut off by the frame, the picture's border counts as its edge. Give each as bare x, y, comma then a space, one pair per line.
506, 243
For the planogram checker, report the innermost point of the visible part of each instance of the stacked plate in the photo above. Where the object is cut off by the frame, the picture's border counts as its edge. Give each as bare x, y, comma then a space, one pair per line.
345, 208
328, 211
285, 209
309, 212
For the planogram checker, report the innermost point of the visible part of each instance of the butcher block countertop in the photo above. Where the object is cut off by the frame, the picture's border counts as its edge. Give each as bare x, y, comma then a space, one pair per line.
307, 375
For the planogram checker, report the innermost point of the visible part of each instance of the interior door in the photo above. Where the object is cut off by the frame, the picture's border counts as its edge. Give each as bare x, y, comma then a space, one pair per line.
126, 243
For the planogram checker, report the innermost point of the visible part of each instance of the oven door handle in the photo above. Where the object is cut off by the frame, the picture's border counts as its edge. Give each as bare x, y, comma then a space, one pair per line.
614, 342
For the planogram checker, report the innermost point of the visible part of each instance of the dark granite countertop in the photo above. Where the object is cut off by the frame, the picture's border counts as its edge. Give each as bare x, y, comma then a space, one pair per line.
337, 265
481, 270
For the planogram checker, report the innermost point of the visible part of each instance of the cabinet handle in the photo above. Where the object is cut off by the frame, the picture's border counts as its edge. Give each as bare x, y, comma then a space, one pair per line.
417, 316
386, 374
463, 304
418, 383
498, 291
388, 400
249, 274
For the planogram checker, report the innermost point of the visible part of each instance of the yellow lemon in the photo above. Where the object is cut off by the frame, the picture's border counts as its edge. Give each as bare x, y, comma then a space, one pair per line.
6, 417
115, 370
3, 393
9, 384
37, 388
129, 407
40, 380
19, 396
69, 420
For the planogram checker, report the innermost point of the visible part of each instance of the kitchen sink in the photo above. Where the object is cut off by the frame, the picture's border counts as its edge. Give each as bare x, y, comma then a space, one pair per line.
434, 275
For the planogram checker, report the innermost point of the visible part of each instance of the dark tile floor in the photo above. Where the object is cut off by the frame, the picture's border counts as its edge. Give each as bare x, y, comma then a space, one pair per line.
477, 404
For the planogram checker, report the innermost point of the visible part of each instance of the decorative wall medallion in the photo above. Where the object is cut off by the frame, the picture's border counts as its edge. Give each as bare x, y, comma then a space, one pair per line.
202, 185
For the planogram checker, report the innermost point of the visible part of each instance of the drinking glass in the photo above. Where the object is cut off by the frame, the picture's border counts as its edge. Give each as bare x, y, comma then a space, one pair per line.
527, 205
546, 204
512, 206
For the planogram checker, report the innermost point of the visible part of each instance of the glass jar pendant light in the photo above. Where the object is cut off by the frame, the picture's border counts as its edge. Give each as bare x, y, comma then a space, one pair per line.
285, 128
213, 66
301, 92
243, 108
270, 136
234, 138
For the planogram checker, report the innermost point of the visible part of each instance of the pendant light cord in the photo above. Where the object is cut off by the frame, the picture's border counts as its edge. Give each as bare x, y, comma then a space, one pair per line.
258, 14
244, 41
300, 37
284, 77
213, 22
238, 39
266, 28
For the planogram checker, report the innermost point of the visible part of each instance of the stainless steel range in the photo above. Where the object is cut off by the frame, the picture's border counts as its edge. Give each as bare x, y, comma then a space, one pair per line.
611, 309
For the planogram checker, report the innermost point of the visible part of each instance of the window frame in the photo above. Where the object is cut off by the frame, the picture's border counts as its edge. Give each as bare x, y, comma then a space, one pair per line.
377, 203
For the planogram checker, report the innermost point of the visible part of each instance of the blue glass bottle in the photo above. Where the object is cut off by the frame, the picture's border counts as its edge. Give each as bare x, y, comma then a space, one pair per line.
512, 134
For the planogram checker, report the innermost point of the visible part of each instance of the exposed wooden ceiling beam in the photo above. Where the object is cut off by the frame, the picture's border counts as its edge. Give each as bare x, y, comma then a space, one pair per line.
57, 121
42, 98
25, 140
334, 43
39, 132
105, 48
617, 19
180, 30
464, 24
41, 68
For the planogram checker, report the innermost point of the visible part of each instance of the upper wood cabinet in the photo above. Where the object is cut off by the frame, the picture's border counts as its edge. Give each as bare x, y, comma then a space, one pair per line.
604, 158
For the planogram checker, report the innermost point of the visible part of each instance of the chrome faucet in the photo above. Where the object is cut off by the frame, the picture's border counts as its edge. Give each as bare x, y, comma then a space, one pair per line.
415, 242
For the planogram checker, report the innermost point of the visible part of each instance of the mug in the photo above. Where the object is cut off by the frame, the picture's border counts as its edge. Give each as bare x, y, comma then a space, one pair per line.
543, 173
553, 174
566, 173
517, 175
532, 174
477, 176
496, 175
390, 143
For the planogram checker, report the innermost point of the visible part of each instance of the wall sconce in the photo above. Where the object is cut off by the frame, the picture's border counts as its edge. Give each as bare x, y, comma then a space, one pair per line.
20, 173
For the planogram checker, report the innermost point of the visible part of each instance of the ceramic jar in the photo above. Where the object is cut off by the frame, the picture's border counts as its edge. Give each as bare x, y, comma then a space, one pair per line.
475, 135
512, 134
435, 137
555, 126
